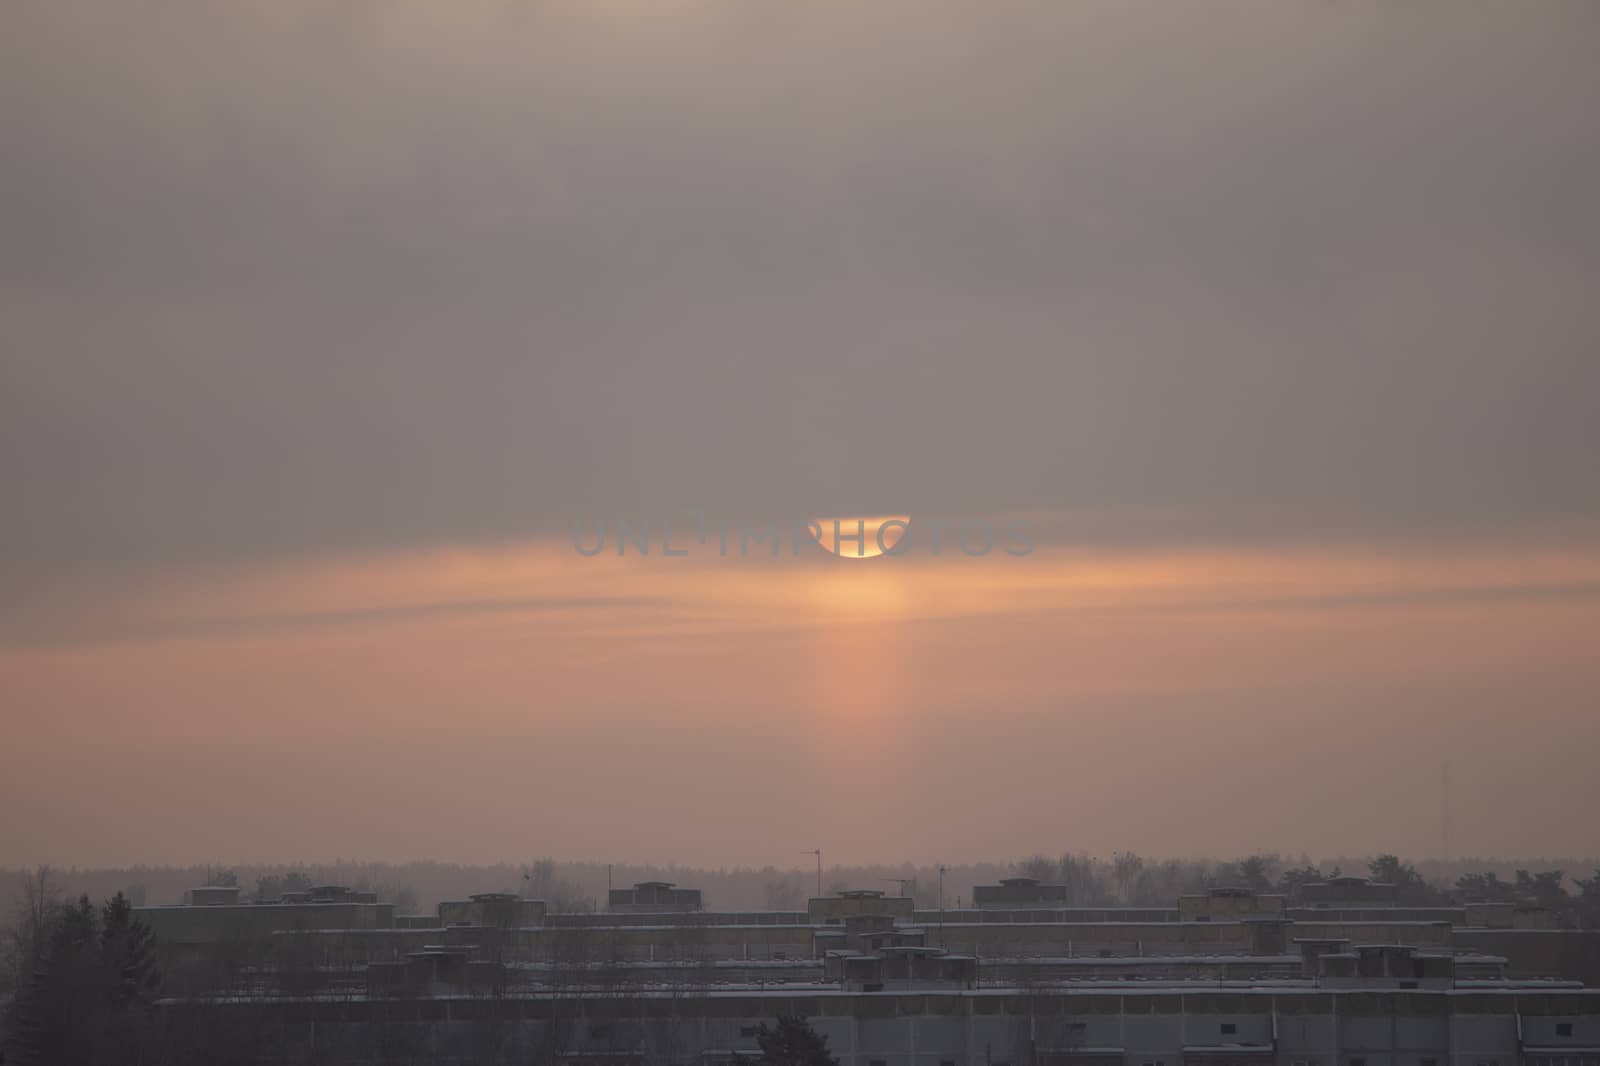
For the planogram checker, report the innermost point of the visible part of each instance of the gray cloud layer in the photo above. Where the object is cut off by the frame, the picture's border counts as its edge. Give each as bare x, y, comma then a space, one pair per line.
287, 276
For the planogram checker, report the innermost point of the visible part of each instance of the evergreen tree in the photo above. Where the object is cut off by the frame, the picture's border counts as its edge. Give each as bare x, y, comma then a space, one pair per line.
1544, 889
49, 1023
1289, 881
1411, 888
1587, 904
127, 950
792, 1042
86, 997
1484, 888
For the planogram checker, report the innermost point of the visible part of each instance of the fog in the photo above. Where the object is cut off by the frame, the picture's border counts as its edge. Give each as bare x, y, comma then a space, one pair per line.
320, 324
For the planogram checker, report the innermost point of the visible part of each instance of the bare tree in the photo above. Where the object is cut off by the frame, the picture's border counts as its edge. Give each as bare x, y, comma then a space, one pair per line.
1125, 867
39, 901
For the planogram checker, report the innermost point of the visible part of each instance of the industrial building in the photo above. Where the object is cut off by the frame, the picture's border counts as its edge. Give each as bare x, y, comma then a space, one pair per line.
1018, 892
1223, 978
653, 897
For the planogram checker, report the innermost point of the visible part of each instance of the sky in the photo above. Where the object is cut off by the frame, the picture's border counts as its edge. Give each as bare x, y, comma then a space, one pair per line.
1272, 327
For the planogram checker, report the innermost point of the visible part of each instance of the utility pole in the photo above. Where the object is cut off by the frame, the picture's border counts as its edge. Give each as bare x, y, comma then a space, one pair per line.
1444, 810
818, 853
941, 906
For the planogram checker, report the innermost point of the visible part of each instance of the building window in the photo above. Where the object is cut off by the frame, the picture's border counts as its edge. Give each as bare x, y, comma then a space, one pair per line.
1430, 1062
749, 1031
1228, 1028
877, 1062
1358, 1062
1563, 1028
599, 1032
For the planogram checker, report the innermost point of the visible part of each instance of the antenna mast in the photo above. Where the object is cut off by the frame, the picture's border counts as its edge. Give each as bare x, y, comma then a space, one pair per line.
1444, 810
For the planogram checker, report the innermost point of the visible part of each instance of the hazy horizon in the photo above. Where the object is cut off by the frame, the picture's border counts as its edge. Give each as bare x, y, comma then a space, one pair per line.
418, 886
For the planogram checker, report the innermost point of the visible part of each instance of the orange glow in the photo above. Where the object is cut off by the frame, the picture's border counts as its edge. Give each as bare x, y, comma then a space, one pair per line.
837, 672
858, 536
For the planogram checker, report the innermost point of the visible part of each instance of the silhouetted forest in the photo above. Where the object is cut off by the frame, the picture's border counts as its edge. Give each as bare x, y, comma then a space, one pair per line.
1123, 878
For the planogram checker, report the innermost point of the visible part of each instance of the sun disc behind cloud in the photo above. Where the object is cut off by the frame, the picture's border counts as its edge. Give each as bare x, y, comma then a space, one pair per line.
860, 536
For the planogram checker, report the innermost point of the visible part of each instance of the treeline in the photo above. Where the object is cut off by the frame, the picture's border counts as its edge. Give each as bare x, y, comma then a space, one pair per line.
1121, 879
1127, 879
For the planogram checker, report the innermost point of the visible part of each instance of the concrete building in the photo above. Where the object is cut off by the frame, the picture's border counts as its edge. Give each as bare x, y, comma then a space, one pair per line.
212, 896
1347, 892
1385, 966
654, 897
865, 933
1225, 978
900, 968
1230, 905
435, 970
832, 910
217, 923
1196, 1025
503, 910
1018, 892
1508, 916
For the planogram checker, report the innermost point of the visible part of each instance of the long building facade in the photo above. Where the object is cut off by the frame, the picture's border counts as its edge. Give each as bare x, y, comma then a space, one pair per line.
1227, 978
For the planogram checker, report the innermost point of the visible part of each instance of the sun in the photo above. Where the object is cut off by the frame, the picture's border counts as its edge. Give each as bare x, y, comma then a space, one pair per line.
860, 536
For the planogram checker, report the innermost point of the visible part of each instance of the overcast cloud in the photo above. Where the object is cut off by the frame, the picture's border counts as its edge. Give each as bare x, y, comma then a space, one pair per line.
1277, 321
289, 277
